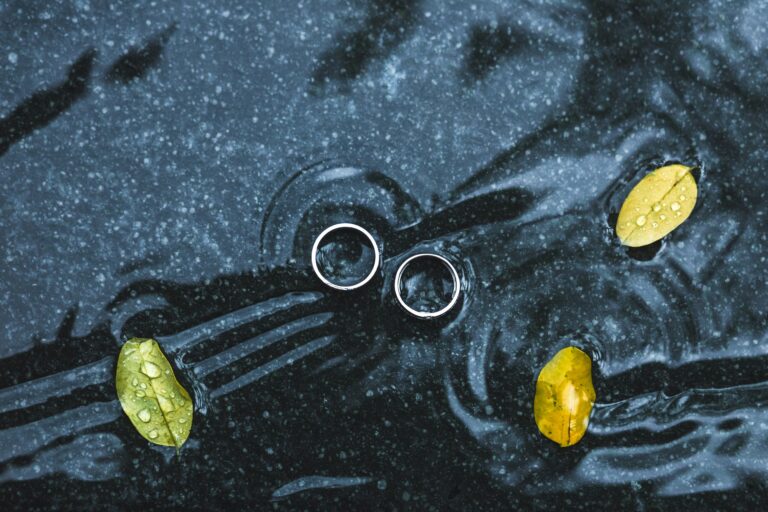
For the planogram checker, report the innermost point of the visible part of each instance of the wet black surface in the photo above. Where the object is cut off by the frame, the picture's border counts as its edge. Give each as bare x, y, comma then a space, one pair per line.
165, 170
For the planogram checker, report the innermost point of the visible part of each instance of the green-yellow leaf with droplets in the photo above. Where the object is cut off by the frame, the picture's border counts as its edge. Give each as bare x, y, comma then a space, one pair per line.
564, 397
658, 204
157, 405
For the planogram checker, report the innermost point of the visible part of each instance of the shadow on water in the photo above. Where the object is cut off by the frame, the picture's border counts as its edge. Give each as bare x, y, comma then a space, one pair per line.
488, 46
262, 350
44, 106
276, 363
137, 62
386, 25
491, 44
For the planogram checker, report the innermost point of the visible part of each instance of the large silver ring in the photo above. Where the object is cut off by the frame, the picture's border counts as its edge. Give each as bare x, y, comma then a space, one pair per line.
454, 295
376, 256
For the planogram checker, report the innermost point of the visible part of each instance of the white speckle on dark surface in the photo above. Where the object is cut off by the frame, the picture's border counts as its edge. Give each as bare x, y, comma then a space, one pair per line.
166, 166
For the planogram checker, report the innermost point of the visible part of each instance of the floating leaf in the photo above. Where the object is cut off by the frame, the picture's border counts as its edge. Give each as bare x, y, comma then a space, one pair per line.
659, 203
564, 397
157, 405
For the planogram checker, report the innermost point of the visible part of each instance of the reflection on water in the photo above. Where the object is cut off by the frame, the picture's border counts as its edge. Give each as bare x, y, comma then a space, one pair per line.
304, 389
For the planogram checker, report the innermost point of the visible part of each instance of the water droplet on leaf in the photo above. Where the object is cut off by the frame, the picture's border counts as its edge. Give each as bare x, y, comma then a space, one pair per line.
147, 347
150, 369
165, 404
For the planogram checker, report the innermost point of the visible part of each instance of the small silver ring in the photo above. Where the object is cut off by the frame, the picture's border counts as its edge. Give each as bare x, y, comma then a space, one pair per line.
454, 295
376, 255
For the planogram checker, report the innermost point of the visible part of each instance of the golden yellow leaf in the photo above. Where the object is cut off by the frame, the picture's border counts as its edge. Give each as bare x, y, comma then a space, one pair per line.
659, 203
157, 405
564, 397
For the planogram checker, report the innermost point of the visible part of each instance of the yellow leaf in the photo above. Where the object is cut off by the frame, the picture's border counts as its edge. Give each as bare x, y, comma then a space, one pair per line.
157, 405
564, 397
659, 203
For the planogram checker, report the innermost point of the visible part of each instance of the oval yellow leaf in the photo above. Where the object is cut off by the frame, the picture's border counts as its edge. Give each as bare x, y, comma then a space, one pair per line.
564, 397
659, 203
157, 405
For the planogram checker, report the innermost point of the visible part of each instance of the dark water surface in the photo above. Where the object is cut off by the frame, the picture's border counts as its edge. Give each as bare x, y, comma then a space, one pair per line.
166, 166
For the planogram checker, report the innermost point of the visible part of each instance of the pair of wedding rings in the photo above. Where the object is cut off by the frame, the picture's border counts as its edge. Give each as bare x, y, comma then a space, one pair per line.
398, 275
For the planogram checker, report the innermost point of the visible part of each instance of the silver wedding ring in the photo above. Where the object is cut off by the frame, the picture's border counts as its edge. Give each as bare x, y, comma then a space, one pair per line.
454, 277
376, 256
